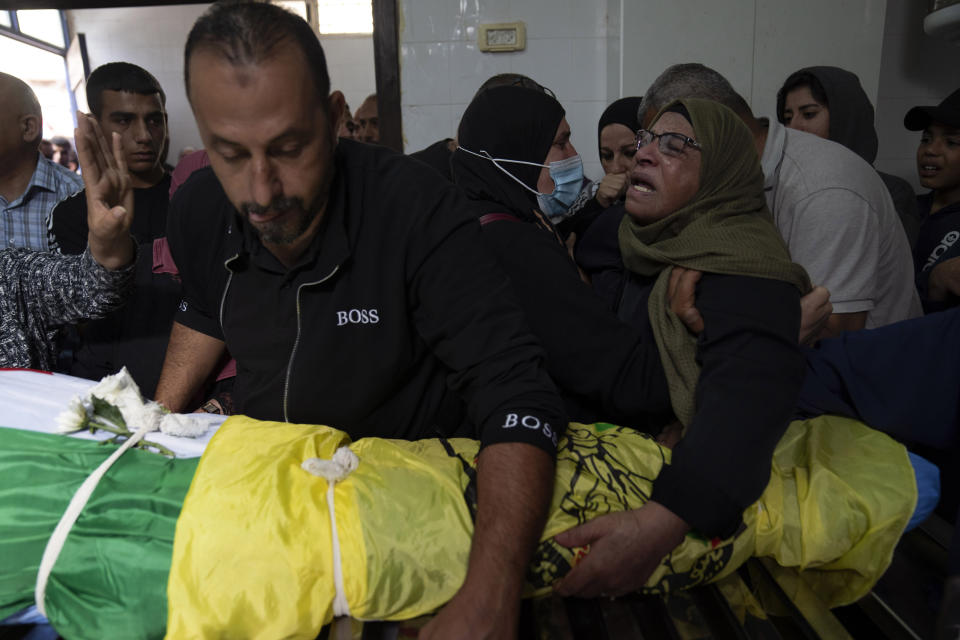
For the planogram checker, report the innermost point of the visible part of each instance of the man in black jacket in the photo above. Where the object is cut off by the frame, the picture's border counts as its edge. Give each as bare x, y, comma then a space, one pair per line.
351, 286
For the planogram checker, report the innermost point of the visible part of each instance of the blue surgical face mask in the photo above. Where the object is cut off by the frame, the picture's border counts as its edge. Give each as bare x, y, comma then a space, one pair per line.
567, 176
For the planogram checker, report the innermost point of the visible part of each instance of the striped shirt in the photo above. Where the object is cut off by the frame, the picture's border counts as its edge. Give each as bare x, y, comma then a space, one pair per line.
23, 222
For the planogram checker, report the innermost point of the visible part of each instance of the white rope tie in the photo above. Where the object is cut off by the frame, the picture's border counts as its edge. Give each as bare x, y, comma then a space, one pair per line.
69, 517
334, 470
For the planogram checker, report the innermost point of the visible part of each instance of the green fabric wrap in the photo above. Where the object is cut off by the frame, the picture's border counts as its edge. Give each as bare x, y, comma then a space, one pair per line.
726, 229
126, 531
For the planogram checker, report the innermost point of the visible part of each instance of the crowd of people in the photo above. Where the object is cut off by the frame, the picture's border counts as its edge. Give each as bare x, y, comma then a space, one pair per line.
728, 273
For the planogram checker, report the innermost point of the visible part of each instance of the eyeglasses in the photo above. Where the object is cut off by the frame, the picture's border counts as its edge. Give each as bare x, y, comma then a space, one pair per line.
670, 143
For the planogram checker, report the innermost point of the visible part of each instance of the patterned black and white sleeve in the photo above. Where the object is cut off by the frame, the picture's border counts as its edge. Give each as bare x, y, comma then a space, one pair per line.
64, 289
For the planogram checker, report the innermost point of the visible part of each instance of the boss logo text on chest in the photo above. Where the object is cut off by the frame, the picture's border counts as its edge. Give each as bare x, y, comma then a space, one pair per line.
358, 316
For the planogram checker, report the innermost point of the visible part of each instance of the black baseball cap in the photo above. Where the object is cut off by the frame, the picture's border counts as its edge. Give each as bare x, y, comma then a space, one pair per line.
947, 112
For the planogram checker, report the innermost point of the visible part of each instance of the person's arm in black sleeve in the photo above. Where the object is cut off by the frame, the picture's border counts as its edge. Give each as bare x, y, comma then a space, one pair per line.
751, 373
196, 342
464, 310
67, 227
593, 357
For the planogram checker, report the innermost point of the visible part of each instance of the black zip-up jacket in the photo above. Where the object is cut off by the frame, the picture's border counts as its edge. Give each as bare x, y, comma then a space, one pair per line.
396, 322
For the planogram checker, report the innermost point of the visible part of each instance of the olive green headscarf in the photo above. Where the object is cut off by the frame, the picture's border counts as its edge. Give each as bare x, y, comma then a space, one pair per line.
726, 228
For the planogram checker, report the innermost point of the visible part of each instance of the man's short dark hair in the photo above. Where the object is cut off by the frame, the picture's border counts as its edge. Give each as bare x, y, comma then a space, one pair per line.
692, 80
120, 76
248, 33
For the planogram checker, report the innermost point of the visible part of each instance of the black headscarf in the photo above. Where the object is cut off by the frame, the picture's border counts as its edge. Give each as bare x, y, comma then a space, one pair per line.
624, 111
851, 114
507, 122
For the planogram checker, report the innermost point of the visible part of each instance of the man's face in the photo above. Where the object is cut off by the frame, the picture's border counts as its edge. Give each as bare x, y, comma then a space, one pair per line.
140, 121
366, 119
269, 138
938, 157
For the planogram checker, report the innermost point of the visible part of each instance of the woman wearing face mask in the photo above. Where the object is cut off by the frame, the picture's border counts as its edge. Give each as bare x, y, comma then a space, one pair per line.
508, 137
830, 103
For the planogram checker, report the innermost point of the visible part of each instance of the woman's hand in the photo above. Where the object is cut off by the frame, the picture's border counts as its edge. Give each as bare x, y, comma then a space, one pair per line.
611, 189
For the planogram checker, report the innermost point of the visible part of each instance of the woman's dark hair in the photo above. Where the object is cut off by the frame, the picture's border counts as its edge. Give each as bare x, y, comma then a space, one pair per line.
246, 33
798, 80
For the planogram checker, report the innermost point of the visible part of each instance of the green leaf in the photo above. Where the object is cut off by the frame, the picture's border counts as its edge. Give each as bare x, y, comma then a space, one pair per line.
108, 411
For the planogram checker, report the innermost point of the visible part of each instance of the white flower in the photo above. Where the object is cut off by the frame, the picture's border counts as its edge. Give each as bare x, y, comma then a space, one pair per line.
144, 415
183, 425
111, 388
130, 404
72, 418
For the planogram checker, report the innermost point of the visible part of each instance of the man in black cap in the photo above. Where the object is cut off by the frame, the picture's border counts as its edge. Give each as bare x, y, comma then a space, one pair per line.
937, 252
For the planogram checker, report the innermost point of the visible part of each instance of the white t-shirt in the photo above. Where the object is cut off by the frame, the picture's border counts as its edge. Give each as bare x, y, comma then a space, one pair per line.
839, 222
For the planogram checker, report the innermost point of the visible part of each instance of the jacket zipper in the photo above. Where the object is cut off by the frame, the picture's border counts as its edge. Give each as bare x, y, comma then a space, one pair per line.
223, 298
296, 343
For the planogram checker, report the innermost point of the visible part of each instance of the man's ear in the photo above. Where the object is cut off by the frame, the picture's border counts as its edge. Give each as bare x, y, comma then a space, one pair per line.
336, 103
31, 126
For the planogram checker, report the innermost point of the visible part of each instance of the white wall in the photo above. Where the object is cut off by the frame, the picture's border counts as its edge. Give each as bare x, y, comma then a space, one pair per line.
568, 44
350, 63
916, 69
153, 38
755, 44
574, 48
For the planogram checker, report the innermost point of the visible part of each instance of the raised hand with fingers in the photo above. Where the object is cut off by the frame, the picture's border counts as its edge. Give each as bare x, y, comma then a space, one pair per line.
109, 194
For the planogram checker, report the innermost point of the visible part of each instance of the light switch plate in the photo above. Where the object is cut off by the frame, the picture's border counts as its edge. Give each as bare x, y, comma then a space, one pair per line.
505, 36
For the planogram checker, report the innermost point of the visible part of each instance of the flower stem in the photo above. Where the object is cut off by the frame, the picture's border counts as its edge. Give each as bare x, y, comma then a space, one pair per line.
126, 433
